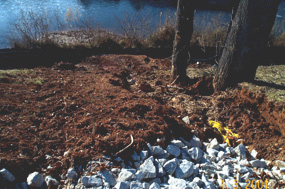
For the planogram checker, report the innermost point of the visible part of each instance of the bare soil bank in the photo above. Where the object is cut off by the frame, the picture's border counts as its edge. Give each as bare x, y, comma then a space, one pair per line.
67, 115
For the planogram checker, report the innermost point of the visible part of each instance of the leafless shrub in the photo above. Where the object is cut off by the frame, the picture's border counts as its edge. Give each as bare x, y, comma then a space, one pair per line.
30, 28
135, 27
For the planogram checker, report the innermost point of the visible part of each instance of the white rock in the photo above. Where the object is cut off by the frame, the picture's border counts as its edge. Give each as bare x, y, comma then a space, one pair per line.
221, 155
108, 177
246, 176
170, 166
178, 143
244, 162
35, 179
51, 181
148, 168
173, 150
71, 173
230, 183
195, 142
229, 151
277, 174
115, 170
154, 185
193, 185
162, 161
186, 119
213, 144
196, 153
243, 184
212, 153
184, 170
126, 175
7, 175
254, 153
95, 181
159, 169
177, 183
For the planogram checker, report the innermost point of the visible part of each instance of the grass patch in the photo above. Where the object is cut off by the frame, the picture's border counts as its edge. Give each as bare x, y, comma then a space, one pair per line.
14, 72
22, 76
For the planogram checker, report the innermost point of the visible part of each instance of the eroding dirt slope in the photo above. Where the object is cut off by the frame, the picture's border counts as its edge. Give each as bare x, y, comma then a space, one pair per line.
67, 115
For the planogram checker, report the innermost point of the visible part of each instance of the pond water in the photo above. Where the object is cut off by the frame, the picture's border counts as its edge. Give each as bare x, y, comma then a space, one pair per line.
107, 13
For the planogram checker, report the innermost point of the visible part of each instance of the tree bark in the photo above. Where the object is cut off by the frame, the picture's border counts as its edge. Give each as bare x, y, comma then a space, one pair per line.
183, 34
246, 42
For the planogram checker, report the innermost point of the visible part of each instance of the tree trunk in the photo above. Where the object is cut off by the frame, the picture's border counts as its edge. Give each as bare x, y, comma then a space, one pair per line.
183, 34
246, 42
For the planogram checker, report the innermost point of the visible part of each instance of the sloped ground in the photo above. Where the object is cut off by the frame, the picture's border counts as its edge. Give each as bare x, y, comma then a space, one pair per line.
68, 115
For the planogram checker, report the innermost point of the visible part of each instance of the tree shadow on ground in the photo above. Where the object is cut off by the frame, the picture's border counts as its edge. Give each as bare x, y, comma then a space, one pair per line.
267, 84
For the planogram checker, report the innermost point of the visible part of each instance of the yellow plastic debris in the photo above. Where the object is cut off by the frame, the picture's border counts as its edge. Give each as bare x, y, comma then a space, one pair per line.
225, 131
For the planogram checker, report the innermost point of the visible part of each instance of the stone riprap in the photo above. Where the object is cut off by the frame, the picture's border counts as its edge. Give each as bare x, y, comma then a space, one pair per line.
182, 164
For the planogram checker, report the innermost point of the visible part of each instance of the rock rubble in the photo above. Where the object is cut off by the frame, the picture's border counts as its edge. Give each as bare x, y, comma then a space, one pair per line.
183, 164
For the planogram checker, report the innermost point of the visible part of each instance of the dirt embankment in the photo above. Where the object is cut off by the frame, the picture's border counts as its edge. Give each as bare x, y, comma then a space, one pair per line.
67, 115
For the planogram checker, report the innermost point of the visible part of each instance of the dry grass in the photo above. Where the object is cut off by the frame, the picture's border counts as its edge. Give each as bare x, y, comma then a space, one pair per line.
22, 76
273, 75
269, 80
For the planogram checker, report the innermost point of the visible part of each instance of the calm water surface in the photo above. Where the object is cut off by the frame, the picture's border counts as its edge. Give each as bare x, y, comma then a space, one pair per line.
105, 12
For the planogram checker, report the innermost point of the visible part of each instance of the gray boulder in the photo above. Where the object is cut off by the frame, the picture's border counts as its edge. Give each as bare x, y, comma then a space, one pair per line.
71, 173
154, 185
195, 142
126, 175
258, 163
178, 143
35, 179
170, 166
157, 151
184, 170
143, 155
178, 183
214, 144
51, 181
173, 150
241, 151
108, 177
95, 181
159, 169
148, 168
7, 175
196, 153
